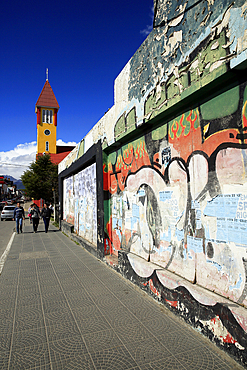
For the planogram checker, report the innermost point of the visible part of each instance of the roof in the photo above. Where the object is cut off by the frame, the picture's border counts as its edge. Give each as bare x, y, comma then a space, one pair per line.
47, 97
57, 158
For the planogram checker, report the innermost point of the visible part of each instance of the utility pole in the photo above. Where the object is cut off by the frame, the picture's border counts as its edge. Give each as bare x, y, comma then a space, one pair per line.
54, 204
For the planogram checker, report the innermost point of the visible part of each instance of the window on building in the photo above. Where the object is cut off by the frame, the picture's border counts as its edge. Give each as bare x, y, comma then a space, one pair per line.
47, 116
47, 146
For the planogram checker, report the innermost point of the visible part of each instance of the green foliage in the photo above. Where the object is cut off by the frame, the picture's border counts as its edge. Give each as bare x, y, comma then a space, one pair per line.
41, 179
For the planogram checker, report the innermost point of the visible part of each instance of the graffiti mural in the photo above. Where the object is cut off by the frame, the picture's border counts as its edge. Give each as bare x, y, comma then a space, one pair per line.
178, 195
80, 203
178, 199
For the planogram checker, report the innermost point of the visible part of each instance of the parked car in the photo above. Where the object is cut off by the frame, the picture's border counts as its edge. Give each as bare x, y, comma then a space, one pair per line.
7, 213
2, 204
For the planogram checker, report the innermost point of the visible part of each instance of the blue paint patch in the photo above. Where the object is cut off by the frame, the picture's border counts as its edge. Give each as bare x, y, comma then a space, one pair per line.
161, 249
114, 222
169, 249
232, 230
207, 233
179, 234
165, 195
194, 244
166, 235
135, 211
82, 227
222, 206
219, 267
134, 221
119, 234
141, 193
238, 284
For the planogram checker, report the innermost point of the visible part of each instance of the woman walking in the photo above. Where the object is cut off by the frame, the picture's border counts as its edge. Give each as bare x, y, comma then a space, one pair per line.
46, 214
35, 216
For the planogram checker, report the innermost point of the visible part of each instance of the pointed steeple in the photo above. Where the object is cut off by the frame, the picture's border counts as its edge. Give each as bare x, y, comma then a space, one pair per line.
47, 97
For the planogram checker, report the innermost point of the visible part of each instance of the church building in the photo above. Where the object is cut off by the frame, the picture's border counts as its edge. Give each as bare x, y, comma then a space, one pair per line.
46, 110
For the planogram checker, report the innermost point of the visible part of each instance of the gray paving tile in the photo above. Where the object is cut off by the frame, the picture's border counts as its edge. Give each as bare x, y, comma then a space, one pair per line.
133, 334
28, 299
28, 318
104, 339
52, 296
168, 363
6, 321
7, 303
29, 338
31, 357
5, 342
113, 358
160, 324
4, 359
57, 331
93, 325
57, 313
147, 350
202, 359
69, 357
85, 310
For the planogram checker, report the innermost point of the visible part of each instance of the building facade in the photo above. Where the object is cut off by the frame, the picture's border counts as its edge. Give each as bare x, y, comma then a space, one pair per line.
158, 187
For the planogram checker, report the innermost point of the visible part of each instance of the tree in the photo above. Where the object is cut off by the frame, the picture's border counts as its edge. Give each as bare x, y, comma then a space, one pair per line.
41, 180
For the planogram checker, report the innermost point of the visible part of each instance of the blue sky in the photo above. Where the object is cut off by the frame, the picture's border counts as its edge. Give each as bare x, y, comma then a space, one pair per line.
84, 44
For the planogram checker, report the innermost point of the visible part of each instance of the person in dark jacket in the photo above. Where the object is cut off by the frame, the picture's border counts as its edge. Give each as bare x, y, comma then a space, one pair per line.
35, 214
46, 214
19, 215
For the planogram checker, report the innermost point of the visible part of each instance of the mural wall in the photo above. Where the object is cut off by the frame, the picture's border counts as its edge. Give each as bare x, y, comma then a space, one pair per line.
178, 195
80, 203
174, 148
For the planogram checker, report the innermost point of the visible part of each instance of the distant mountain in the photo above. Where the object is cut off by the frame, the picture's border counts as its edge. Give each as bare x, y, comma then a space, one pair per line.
18, 183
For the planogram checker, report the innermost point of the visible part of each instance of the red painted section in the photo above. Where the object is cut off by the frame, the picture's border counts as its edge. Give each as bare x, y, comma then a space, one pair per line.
55, 117
38, 116
172, 303
39, 203
229, 339
152, 287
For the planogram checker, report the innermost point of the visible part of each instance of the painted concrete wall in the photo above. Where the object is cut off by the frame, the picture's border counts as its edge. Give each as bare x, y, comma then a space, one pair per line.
80, 206
174, 166
180, 200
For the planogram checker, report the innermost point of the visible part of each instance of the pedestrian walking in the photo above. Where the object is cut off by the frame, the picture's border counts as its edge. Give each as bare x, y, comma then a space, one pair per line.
19, 215
35, 216
29, 214
46, 214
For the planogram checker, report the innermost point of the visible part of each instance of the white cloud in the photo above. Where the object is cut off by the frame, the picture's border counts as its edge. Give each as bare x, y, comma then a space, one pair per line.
60, 142
15, 162
148, 28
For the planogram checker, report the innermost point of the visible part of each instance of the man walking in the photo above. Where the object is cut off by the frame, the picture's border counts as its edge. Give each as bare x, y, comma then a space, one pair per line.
19, 215
46, 214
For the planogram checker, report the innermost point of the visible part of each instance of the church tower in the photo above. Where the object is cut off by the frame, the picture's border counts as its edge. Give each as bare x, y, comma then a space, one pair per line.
46, 109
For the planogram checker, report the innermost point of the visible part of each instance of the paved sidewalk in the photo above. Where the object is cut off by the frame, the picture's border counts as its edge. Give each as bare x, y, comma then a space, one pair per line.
61, 308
